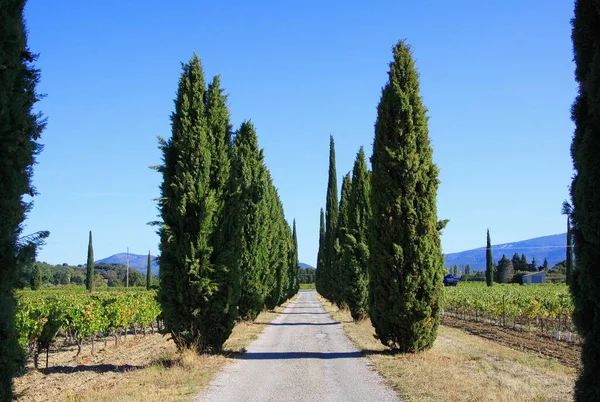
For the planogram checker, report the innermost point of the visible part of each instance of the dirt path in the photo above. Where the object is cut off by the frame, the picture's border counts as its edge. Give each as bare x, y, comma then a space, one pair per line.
567, 354
303, 355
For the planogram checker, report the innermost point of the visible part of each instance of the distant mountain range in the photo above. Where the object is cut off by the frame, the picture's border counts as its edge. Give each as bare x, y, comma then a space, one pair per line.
550, 247
139, 262
304, 266
136, 261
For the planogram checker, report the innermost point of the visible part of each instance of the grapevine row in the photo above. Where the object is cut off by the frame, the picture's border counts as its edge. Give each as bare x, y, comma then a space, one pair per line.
42, 315
547, 308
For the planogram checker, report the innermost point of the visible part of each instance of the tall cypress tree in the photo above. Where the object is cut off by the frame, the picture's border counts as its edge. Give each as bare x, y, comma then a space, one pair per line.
489, 268
406, 264
342, 257
252, 214
356, 280
89, 277
295, 265
331, 220
319, 272
219, 145
149, 272
585, 193
279, 249
198, 298
20, 128
568, 211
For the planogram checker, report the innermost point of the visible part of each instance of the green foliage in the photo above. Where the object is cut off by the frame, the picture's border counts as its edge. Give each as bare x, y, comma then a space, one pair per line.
356, 249
406, 262
294, 268
250, 205
279, 252
585, 194
20, 128
149, 272
307, 275
197, 293
507, 302
567, 210
36, 277
331, 221
505, 271
489, 268
89, 278
341, 262
42, 314
320, 270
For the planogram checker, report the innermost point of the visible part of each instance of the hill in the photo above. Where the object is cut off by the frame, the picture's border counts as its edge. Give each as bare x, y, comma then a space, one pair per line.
550, 247
136, 261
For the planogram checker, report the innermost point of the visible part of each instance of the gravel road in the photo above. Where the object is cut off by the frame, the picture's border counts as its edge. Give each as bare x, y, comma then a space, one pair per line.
303, 355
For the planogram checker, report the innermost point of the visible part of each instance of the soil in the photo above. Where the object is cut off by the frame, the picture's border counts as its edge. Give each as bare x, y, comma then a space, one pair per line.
568, 354
67, 375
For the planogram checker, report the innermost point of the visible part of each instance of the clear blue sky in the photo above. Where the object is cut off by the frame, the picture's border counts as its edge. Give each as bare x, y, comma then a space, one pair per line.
496, 77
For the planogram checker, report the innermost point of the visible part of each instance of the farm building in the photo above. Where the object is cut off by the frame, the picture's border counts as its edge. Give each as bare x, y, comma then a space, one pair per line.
536, 277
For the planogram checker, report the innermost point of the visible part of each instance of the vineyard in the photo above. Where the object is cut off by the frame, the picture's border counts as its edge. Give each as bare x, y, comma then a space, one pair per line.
78, 316
545, 309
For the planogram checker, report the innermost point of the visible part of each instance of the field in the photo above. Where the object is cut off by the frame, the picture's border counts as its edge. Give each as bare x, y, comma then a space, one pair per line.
543, 309
79, 316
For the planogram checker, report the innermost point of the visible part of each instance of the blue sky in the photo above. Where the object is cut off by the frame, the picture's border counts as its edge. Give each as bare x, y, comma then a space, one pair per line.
496, 77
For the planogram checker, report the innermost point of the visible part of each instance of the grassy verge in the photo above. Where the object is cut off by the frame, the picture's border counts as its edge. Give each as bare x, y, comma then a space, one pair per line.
304, 286
162, 374
462, 367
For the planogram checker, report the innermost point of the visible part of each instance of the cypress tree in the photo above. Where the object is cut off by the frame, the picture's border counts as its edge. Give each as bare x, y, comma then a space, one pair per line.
20, 128
516, 261
356, 282
219, 144
295, 265
524, 266
36, 277
489, 268
198, 298
279, 250
319, 272
505, 271
406, 264
568, 211
331, 219
252, 209
342, 256
149, 273
533, 265
585, 194
89, 277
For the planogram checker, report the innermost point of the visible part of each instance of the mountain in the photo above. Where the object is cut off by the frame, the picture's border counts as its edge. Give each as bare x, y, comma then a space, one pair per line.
550, 247
136, 261
139, 262
304, 266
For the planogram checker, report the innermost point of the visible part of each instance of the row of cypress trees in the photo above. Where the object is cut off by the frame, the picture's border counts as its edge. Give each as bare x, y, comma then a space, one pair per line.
226, 250
379, 247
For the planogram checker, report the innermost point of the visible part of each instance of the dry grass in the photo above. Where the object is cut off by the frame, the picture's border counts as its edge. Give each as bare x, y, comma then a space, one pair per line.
462, 367
162, 374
